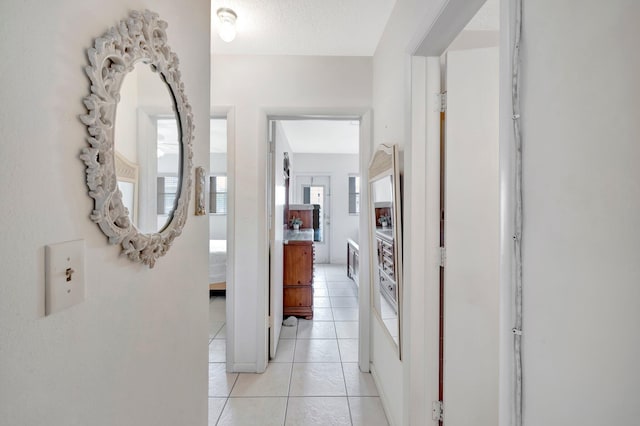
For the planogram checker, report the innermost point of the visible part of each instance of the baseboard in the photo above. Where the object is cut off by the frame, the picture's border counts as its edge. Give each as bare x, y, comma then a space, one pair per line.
383, 397
244, 367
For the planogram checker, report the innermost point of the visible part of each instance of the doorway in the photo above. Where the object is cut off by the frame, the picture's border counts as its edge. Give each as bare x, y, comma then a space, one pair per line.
311, 160
316, 190
470, 225
463, 73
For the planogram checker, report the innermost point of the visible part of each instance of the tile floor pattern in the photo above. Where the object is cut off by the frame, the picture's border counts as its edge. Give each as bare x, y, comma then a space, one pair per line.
314, 378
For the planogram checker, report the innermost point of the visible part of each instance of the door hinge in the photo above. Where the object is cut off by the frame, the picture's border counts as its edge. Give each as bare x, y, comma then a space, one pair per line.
270, 321
437, 411
443, 257
443, 102
272, 146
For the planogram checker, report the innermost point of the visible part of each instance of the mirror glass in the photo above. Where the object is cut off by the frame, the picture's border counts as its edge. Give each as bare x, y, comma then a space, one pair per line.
386, 265
147, 137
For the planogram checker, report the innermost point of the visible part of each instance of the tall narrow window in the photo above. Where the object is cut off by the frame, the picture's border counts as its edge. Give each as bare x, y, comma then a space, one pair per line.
218, 194
354, 194
167, 190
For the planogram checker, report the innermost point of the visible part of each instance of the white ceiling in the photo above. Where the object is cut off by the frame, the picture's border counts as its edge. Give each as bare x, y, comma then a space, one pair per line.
314, 27
303, 27
322, 136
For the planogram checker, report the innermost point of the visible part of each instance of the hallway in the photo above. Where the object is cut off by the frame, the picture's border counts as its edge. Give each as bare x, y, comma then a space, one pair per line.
314, 378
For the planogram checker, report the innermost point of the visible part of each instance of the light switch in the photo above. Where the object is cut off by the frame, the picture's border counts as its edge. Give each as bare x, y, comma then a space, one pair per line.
64, 275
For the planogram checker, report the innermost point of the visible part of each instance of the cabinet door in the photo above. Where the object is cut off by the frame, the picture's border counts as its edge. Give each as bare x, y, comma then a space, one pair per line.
298, 264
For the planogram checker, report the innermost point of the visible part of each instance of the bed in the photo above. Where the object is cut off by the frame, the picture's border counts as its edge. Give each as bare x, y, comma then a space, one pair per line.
217, 264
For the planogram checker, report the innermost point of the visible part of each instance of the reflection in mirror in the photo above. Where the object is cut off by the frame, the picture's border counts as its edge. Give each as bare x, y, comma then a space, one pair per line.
127, 176
147, 135
386, 249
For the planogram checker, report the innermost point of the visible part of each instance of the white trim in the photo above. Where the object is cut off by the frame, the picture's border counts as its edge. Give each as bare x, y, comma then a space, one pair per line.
449, 21
364, 279
244, 367
421, 272
230, 114
265, 114
383, 397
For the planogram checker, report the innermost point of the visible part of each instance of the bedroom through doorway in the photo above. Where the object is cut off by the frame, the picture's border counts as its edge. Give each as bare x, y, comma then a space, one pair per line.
217, 211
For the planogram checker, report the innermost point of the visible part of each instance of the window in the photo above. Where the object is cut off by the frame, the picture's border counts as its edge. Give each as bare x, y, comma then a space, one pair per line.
354, 194
218, 194
167, 190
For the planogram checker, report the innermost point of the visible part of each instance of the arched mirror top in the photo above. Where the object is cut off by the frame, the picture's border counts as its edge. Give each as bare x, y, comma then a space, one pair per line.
139, 39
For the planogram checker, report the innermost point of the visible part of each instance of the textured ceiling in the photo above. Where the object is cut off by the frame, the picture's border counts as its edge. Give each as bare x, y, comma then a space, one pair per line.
315, 27
303, 27
322, 136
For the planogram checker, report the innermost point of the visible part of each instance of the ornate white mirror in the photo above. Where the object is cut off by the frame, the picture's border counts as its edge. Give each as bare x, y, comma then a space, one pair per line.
140, 134
386, 241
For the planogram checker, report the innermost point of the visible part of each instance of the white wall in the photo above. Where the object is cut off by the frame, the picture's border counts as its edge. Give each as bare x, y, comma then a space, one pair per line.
338, 167
257, 86
580, 109
278, 198
135, 351
409, 21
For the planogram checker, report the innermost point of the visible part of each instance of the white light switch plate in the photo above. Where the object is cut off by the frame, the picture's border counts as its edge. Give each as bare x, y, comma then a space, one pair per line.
64, 275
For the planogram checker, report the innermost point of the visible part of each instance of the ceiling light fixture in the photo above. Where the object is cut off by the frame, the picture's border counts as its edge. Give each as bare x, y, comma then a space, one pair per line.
227, 29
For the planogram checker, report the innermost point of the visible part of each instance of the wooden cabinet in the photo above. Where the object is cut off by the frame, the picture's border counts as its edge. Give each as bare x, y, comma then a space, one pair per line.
303, 212
298, 278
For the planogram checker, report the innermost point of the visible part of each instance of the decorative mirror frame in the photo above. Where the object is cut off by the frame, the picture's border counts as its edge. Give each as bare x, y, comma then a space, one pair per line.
384, 164
139, 38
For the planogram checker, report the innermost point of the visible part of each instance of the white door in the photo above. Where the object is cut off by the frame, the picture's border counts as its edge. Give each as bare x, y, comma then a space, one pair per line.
317, 190
276, 195
471, 237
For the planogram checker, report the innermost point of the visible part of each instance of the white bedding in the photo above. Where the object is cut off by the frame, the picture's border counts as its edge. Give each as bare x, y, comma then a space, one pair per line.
217, 261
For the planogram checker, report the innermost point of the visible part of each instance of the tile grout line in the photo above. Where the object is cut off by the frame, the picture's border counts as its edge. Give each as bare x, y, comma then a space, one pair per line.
296, 339
344, 380
226, 401
229, 393
295, 344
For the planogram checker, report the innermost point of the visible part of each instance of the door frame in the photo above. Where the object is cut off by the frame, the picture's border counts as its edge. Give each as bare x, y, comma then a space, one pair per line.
299, 185
425, 49
364, 115
229, 114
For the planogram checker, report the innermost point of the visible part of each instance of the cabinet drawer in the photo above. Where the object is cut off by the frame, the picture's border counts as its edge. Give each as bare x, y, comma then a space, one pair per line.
295, 295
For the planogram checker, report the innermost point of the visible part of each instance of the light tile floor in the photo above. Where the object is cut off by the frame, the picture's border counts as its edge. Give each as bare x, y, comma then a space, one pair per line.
314, 378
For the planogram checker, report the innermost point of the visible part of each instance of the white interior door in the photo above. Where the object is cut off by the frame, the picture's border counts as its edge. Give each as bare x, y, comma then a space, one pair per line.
471, 239
317, 190
276, 234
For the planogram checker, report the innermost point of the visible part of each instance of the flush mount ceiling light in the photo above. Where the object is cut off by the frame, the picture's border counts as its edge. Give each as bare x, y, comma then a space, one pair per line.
227, 30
